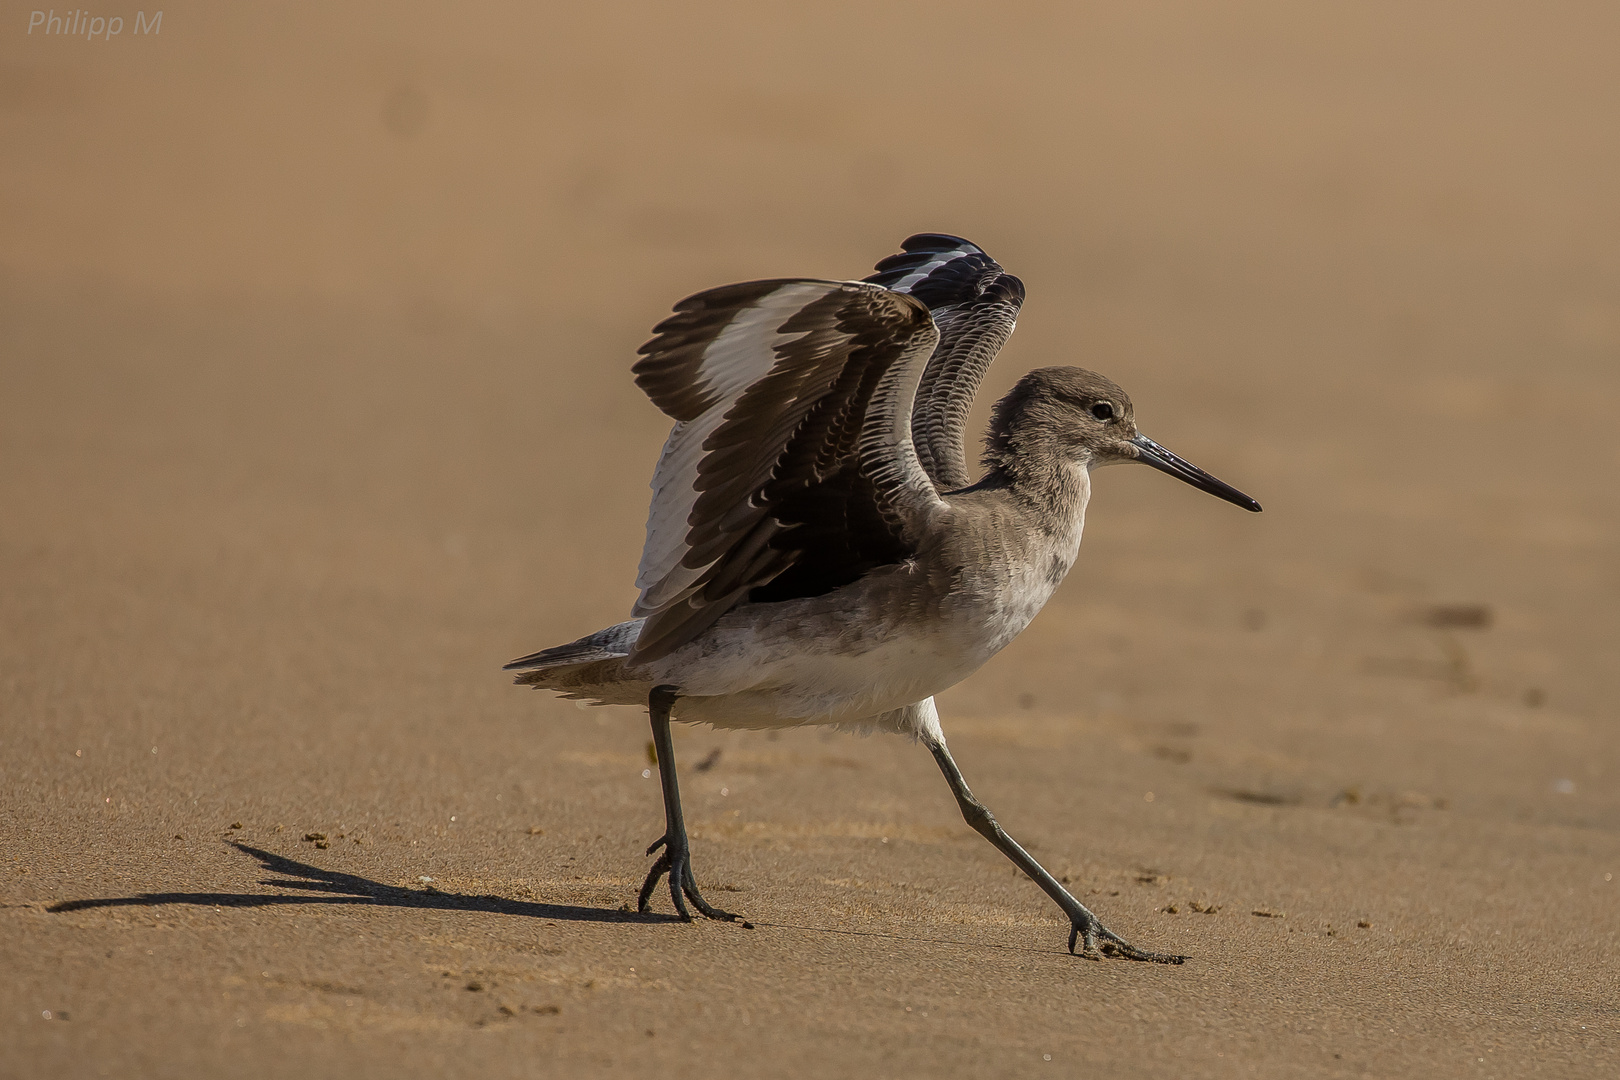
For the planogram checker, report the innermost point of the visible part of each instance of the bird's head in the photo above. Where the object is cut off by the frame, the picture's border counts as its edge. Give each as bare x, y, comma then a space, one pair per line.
1085, 418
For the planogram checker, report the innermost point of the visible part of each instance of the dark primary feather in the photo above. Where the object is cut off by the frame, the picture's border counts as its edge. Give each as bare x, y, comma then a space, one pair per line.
975, 304
937, 269
784, 508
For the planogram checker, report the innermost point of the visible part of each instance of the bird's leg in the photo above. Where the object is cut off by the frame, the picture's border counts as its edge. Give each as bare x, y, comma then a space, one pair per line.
676, 859
1083, 924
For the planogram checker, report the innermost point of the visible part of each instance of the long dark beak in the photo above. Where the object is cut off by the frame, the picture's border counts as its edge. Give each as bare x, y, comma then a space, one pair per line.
1151, 453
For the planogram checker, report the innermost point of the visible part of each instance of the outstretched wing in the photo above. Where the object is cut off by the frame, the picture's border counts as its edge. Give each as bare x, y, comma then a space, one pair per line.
974, 304
790, 470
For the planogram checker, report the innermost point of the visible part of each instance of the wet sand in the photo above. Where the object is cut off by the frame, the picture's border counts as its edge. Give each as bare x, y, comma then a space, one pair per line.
315, 408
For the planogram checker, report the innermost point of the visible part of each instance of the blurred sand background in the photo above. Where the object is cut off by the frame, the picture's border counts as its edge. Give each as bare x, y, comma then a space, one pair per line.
315, 325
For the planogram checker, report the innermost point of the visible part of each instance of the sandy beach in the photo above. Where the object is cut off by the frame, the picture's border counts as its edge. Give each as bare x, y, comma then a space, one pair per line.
315, 408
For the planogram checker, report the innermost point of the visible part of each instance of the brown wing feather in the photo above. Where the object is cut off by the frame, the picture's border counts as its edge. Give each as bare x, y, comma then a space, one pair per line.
780, 485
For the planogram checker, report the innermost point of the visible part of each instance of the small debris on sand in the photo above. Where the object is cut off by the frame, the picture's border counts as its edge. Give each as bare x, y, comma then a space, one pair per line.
1267, 913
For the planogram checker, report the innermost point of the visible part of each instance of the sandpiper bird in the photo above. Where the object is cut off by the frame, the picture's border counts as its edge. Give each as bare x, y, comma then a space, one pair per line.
817, 552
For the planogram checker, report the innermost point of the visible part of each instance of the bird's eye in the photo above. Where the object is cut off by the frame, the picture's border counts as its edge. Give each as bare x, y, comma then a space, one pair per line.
1103, 411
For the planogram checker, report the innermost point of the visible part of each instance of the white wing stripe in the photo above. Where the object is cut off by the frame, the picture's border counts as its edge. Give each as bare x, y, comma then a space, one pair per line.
739, 356
733, 361
905, 283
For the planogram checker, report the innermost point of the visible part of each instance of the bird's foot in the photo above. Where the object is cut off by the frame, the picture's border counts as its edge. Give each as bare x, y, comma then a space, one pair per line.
1101, 942
676, 861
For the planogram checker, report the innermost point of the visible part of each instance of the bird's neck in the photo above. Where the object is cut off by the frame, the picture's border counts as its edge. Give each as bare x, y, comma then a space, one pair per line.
1050, 487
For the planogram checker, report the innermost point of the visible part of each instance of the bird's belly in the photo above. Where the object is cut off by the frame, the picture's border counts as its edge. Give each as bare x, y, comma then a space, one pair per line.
825, 686
790, 670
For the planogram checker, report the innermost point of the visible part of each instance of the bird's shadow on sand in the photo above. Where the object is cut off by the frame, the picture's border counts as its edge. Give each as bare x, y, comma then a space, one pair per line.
333, 887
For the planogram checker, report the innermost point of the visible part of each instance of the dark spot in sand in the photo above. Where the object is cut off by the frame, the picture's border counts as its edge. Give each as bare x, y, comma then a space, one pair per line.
1258, 798
1458, 616
328, 987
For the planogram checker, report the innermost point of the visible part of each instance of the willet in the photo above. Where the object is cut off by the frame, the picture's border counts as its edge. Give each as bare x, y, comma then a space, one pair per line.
817, 552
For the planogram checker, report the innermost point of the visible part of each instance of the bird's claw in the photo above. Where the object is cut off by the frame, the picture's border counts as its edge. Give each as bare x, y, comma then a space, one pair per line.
1091, 930
676, 861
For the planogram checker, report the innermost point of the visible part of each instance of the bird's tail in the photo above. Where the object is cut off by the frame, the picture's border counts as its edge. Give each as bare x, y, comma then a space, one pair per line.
590, 668
583, 651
